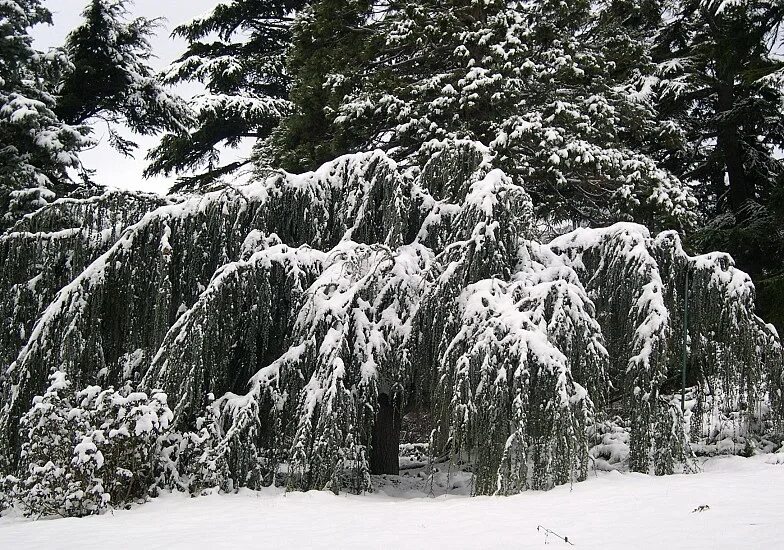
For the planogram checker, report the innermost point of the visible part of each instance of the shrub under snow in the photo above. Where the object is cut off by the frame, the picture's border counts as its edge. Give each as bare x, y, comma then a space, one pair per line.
84, 450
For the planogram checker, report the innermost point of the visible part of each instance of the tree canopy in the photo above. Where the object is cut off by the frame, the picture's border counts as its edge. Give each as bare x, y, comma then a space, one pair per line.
36, 148
238, 53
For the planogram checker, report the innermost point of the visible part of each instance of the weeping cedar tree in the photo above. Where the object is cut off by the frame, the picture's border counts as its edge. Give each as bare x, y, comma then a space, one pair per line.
109, 78
36, 147
238, 53
316, 307
721, 80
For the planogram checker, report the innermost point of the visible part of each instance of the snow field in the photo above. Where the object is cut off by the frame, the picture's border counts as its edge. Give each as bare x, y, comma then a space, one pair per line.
609, 511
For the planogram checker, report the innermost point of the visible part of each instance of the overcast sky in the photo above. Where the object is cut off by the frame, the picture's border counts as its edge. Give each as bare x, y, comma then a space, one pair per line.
114, 169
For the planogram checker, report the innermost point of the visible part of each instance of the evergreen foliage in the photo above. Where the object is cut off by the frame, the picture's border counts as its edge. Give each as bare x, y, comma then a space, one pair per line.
533, 81
238, 53
330, 45
109, 77
36, 147
47, 249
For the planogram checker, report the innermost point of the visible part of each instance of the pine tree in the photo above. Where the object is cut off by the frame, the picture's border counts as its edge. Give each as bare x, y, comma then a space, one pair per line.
722, 82
237, 52
109, 77
36, 148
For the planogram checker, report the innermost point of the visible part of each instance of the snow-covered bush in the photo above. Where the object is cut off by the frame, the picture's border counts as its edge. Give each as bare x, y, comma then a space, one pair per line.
60, 459
82, 451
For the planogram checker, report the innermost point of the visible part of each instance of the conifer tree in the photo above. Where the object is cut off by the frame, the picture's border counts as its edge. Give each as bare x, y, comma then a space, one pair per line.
330, 43
722, 82
36, 148
531, 80
238, 53
626, 30
109, 77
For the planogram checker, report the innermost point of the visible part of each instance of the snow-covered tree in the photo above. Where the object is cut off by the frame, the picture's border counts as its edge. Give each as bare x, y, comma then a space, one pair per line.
318, 307
60, 479
109, 78
36, 147
237, 52
644, 285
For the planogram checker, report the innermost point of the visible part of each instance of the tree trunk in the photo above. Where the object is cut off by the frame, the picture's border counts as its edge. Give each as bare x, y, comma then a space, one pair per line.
741, 183
386, 437
728, 142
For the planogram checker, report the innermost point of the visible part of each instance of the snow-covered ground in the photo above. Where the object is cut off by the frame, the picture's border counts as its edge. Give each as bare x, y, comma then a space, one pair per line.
629, 511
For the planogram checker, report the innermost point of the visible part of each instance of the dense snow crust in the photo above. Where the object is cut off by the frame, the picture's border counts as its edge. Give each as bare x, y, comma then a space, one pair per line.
298, 300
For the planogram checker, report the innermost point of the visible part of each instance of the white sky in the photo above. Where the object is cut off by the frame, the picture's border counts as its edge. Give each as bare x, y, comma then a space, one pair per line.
112, 168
